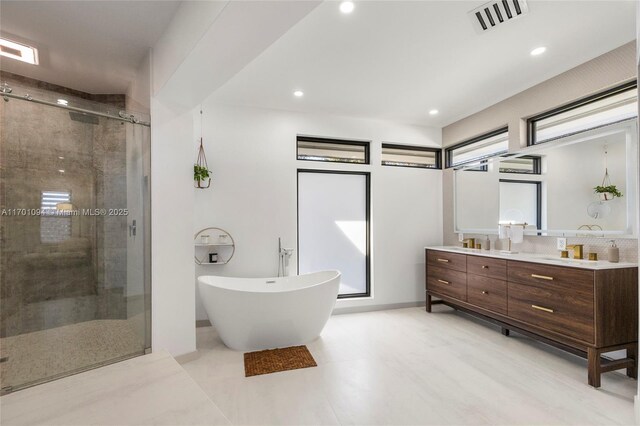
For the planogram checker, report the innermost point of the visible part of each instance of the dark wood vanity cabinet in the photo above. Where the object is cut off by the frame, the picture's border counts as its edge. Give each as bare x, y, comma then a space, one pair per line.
586, 312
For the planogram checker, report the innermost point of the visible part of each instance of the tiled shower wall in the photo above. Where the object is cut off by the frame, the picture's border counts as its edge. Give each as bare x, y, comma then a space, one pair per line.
45, 285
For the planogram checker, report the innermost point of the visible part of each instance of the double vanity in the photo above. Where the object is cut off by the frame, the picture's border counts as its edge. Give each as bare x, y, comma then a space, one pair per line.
585, 307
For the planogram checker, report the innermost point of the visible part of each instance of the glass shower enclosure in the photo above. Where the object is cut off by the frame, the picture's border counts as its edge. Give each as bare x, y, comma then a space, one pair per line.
74, 233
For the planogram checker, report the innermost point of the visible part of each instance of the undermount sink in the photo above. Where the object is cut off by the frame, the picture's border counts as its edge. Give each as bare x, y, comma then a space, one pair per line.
462, 248
568, 260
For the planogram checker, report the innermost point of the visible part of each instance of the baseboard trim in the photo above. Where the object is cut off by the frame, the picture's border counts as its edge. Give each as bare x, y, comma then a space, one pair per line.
203, 323
188, 357
371, 308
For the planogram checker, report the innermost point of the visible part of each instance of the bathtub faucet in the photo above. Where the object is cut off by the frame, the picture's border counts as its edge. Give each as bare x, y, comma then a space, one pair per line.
283, 262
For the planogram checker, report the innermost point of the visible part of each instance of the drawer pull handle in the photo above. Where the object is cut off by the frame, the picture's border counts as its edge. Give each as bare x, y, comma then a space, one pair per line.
443, 260
444, 282
542, 277
485, 267
540, 308
485, 292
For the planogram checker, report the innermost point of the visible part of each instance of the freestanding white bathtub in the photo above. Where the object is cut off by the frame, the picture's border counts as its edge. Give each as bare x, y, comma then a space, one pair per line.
266, 313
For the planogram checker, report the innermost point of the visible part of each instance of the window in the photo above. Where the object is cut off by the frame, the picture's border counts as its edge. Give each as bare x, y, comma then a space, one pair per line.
332, 150
527, 164
55, 218
478, 148
334, 227
521, 202
603, 109
411, 156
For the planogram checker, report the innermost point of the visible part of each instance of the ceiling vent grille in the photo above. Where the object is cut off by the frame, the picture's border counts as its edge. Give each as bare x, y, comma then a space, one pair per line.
492, 14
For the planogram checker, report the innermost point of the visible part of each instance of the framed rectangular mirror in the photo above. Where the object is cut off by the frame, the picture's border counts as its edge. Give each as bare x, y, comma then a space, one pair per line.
552, 186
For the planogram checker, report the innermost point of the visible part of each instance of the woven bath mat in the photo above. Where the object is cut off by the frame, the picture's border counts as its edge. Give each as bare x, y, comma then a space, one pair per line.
274, 360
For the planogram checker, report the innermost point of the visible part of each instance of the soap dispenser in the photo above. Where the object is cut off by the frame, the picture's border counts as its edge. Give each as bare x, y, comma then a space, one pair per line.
486, 244
613, 252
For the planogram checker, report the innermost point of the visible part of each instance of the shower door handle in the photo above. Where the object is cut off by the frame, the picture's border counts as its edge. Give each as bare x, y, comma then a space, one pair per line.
132, 229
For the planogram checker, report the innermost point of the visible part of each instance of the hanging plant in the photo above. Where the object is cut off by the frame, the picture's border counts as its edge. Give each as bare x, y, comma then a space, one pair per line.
608, 192
201, 172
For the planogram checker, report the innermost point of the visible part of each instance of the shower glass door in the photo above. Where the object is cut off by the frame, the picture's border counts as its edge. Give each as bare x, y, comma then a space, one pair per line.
74, 252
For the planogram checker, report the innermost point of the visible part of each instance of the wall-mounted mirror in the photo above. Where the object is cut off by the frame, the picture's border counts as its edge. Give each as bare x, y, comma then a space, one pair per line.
551, 186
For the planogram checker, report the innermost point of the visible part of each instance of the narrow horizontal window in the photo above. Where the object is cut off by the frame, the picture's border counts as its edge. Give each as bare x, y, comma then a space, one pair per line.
332, 150
477, 149
609, 107
411, 156
529, 165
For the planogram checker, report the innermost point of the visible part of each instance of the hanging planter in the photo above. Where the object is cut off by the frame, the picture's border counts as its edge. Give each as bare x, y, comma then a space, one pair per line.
607, 190
201, 172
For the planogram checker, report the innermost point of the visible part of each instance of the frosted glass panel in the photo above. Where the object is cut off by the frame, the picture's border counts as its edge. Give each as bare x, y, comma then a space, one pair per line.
519, 202
333, 228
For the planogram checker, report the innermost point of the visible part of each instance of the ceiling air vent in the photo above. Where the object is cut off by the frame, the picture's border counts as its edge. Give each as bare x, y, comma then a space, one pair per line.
492, 14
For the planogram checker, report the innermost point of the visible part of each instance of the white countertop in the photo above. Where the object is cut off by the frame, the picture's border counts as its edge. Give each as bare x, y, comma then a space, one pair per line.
537, 258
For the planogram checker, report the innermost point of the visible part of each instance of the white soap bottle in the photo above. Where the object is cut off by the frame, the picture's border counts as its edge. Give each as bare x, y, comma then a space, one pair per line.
486, 244
613, 252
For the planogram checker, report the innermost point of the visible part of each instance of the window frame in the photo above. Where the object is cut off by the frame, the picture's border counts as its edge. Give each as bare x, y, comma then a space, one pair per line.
537, 165
449, 150
367, 176
437, 151
531, 131
316, 139
538, 197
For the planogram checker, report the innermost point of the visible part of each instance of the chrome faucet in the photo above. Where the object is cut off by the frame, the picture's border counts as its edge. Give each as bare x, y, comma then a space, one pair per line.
283, 263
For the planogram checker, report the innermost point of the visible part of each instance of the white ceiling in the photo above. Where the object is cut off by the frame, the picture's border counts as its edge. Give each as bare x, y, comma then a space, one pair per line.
92, 46
397, 60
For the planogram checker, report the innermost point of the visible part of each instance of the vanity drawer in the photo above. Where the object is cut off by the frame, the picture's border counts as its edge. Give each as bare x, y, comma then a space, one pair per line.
487, 293
565, 308
447, 282
487, 267
448, 260
534, 273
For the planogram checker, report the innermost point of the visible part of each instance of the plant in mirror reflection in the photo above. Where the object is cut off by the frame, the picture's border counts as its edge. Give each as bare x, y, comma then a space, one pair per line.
609, 192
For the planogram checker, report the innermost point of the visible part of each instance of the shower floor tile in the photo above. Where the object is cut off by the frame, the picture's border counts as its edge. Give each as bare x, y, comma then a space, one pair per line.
39, 355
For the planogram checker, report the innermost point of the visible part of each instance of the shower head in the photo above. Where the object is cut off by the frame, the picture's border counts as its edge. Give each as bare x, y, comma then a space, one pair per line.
83, 118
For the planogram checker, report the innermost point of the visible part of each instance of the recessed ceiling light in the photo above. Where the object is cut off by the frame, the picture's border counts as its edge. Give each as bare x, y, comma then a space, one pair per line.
347, 7
63, 102
61, 171
20, 52
538, 51
61, 158
433, 112
298, 93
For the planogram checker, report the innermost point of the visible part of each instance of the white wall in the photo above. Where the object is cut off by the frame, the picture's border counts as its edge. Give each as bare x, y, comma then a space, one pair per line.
253, 195
191, 21
172, 201
181, 77
138, 96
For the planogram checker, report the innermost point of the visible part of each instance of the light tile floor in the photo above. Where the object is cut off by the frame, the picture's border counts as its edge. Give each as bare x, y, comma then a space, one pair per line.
147, 390
405, 367
396, 367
